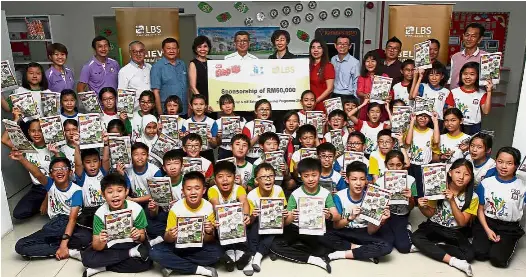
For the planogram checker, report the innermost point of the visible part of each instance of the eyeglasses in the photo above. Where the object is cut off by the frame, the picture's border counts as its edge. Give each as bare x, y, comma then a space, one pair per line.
382, 142
55, 169
145, 102
266, 177
138, 52
193, 146
241, 41
354, 143
111, 99
326, 157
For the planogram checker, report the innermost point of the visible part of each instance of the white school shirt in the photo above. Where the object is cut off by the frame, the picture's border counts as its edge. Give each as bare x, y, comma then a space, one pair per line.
469, 104
131, 76
244, 172
236, 192
294, 198
502, 200
41, 159
444, 215
335, 178
64, 117
401, 92
138, 180
421, 151
255, 151
210, 124
303, 118
254, 196
91, 190
345, 205
451, 143
136, 125
371, 134
219, 123
59, 201
106, 118
440, 97
345, 134
69, 152
480, 171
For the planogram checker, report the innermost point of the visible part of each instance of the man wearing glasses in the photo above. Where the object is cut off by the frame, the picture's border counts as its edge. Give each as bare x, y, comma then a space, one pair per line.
136, 74
242, 43
347, 69
391, 63
472, 37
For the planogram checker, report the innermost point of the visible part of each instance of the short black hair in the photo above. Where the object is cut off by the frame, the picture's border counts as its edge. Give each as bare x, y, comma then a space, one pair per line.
226, 98
290, 114
356, 166
350, 99
227, 166
305, 129
434, 40
70, 121
337, 112
279, 33
406, 63
437, 68
514, 152
357, 134
97, 39
374, 105
395, 40
139, 145
342, 36
200, 40
309, 164
117, 123
174, 154
242, 137
267, 136
57, 47
475, 25
198, 96
241, 33
194, 175
25, 82
55, 160
110, 90
378, 70
88, 153
192, 137
176, 99
261, 102
169, 40
66, 92
487, 140
384, 132
112, 179
326, 147
307, 91
394, 154
265, 166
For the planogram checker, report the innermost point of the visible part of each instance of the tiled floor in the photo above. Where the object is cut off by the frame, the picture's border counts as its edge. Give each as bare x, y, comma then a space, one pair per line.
395, 264
408, 265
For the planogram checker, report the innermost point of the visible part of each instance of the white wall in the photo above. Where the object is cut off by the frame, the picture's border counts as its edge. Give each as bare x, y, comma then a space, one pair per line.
79, 16
520, 131
514, 51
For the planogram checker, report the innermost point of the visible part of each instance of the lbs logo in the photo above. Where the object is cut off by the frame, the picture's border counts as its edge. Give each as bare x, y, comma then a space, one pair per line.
142, 30
420, 31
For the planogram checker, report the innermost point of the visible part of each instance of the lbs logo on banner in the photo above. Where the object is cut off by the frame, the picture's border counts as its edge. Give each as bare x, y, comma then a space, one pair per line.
417, 31
145, 31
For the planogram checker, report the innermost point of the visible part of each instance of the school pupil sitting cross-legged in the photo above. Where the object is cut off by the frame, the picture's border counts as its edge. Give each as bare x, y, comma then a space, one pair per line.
60, 237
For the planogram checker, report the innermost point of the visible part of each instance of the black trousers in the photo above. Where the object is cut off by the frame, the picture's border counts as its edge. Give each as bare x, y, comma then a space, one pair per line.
116, 259
156, 224
456, 243
416, 171
498, 253
372, 246
85, 219
295, 247
258, 243
30, 203
395, 232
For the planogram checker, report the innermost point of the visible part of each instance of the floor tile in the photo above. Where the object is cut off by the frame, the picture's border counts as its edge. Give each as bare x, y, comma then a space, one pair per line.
42, 268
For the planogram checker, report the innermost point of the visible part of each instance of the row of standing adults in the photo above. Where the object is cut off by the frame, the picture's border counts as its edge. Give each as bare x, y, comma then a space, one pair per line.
341, 75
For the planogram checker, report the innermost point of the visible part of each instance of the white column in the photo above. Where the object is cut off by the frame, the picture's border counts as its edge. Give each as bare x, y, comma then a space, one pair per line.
7, 224
519, 137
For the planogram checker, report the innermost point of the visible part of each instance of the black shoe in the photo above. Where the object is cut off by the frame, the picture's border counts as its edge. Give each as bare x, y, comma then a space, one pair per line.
375, 260
272, 256
327, 264
229, 263
144, 251
85, 273
243, 261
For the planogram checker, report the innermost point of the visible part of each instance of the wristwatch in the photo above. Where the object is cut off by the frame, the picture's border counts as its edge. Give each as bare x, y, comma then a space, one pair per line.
66, 237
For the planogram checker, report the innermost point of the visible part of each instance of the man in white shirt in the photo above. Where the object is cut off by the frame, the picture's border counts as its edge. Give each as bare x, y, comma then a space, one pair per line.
242, 42
136, 74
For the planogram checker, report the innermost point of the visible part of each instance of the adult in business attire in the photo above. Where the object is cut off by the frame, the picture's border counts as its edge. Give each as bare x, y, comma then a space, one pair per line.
198, 70
101, 71
280, 39
391, 64
472, 36
347, 69
321, 72
136, 74
242, 42
169, 76
59, 76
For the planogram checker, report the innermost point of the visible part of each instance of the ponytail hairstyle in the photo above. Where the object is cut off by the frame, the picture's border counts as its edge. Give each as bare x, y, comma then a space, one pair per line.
468, 190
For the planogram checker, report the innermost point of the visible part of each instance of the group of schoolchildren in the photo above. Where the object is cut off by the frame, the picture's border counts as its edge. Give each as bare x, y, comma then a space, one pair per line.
484, 200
